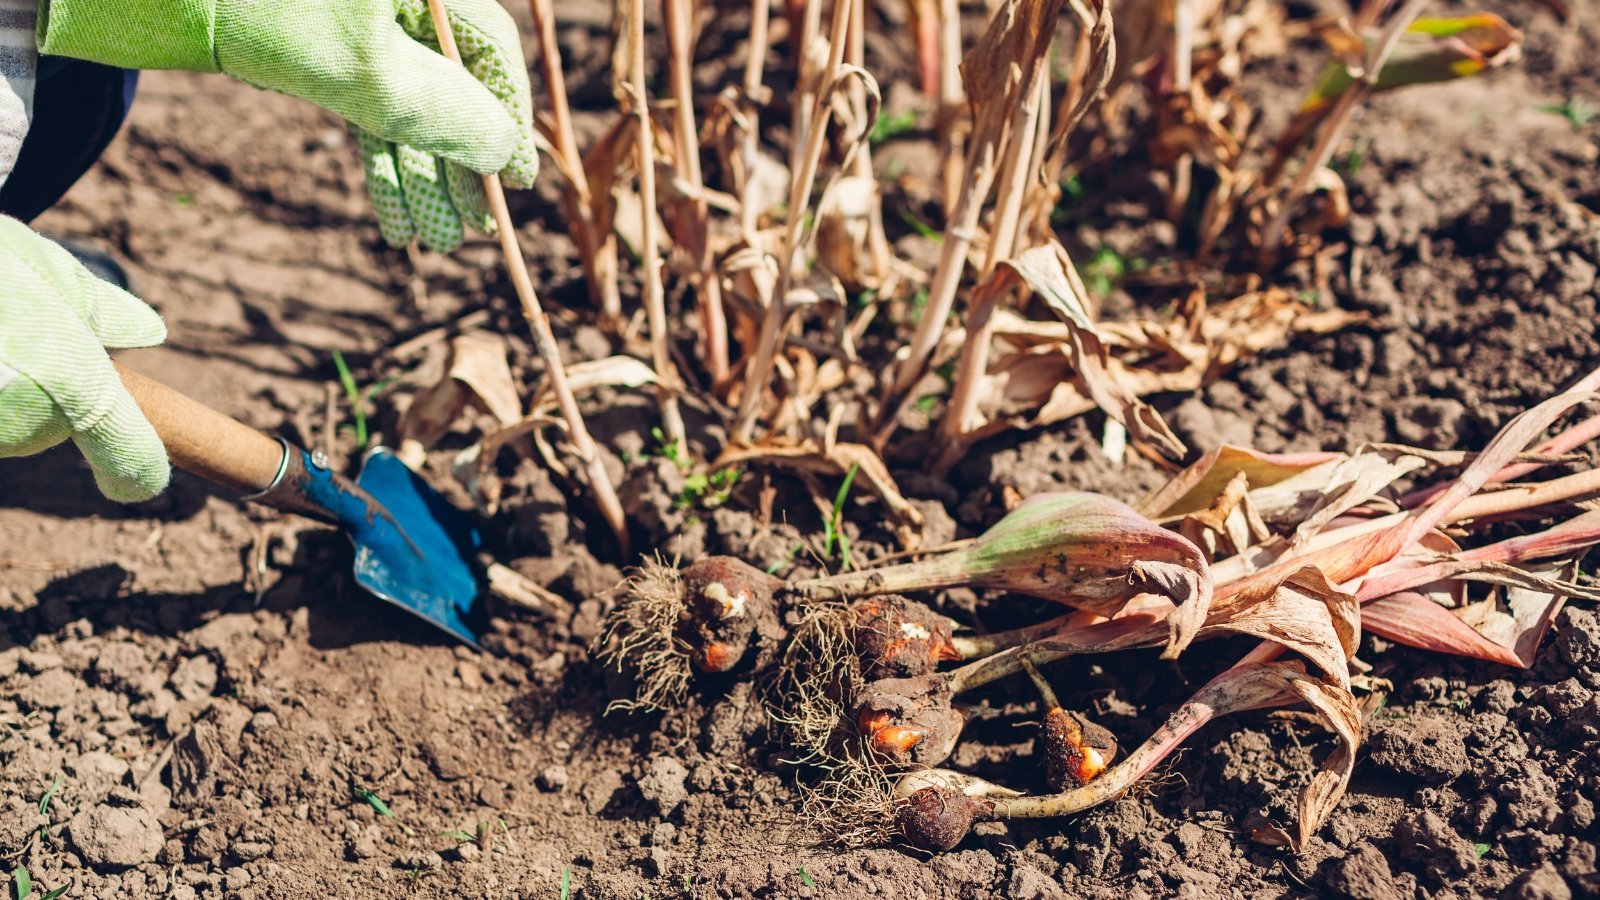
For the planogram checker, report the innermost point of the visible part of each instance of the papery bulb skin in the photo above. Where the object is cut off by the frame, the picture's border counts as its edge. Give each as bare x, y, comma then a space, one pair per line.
936, 819
899, 638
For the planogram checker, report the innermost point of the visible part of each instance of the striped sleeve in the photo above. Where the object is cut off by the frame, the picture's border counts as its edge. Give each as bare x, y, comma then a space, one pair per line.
18, 55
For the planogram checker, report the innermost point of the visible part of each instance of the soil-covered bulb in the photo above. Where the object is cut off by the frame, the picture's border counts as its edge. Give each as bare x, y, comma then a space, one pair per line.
937, 818
724, 600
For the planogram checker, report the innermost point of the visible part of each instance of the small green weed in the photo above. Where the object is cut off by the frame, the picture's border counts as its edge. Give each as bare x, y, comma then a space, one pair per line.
376, 802
887, 128
1481, 849
1104, 270
670, 450
566, 883
833, 527
786, 559
919, 226
1576, 110
707, 491
23, 883
359, 398
806, 879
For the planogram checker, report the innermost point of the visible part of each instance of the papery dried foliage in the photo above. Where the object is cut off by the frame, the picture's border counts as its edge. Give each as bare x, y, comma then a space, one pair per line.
837, 460
476, 376
1038, 378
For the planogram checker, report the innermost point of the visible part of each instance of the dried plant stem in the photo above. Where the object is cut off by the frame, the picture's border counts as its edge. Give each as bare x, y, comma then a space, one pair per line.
543, 338
977, 646
1570, 439
958, 236
759, 375
1016, 171
693, 236
1182, 71
655, 305
806, 90
1337, 121
952, 143
750, 149
856, 51
599, 251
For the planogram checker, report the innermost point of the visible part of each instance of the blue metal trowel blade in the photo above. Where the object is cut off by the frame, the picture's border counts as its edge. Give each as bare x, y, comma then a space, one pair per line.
426, 563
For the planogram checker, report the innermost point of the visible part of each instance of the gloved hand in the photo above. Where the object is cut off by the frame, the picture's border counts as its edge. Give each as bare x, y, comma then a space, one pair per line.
374, 62
56, 380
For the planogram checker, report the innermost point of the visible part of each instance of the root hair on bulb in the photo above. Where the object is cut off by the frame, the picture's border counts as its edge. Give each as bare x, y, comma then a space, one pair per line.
817, 679
640, 638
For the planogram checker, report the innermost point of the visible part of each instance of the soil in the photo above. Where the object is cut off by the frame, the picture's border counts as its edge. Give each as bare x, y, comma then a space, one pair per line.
201, 701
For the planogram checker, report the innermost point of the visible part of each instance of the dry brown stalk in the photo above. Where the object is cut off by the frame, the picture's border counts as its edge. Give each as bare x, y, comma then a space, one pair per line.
952, 139
597, 246
1182, 70
759, 374
654, 300
1339, 118
692, 214
750, 147
999, 73
1016, 168
877, 240
543, 338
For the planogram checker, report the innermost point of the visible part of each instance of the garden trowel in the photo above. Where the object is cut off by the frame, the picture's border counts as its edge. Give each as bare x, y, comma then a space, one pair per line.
413, 547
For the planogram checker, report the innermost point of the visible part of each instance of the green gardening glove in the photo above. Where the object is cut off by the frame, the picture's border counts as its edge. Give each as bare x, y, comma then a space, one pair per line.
425, 124
56, 381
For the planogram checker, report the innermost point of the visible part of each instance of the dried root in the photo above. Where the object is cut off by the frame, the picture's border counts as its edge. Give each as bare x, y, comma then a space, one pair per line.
641, 638
853, 804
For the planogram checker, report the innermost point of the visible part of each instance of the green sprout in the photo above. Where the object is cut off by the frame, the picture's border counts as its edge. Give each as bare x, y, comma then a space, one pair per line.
1104, 270
44, 808
1481, 849
24, 886
707, 491
806, 879
359, 398
566, 883
919, 300
833, 526
785, 560
1576, 110
670, 450
376, 802
919, 226
887, 128
1072, 193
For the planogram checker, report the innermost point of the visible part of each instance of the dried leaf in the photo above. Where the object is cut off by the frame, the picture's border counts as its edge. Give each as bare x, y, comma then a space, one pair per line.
1304, 612
1338, 708
612, 371
477, 375
844, 226
1042, 270
1417, 621
837, 460
479, 362
1353, 482
1198, 486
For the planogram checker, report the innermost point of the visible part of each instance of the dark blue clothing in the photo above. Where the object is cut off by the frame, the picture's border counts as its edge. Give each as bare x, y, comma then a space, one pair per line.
78, 108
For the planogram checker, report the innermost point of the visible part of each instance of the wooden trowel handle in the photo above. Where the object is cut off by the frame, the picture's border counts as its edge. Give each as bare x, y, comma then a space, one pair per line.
204, 442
